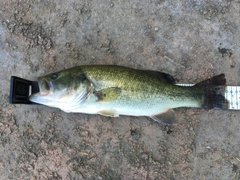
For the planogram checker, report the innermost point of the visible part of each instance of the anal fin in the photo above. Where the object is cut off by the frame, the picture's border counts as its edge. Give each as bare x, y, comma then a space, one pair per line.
165, 118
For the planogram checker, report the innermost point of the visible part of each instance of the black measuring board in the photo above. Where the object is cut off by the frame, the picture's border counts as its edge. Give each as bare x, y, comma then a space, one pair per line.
21, 89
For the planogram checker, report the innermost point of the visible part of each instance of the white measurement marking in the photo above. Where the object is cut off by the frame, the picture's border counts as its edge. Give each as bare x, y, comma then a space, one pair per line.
232, 94
30, 90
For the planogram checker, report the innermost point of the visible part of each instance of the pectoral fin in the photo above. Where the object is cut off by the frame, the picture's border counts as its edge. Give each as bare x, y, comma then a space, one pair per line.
108, 94
109, 113
165, 118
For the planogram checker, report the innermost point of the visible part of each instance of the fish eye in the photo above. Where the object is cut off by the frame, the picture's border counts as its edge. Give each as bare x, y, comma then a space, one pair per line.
54, 76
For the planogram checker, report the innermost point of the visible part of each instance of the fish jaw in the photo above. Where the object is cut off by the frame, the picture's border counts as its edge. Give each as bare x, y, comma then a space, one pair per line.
67, 100
42, 98
45, 91
52, 101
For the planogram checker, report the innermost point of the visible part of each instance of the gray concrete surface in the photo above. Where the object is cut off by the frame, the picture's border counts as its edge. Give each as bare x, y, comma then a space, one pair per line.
191, 40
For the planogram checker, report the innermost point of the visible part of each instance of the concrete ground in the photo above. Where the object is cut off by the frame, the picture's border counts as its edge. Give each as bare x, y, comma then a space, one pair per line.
191, 40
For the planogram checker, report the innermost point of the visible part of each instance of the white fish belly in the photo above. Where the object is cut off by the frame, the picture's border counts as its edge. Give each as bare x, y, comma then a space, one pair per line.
134, 107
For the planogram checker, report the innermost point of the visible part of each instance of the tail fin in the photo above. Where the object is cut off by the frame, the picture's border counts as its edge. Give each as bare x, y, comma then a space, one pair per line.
214, 91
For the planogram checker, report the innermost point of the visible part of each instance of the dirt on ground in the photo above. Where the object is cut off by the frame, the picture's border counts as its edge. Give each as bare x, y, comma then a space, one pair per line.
190, 39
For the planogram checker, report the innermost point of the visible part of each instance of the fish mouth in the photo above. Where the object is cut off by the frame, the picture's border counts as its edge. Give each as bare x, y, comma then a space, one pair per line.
45, 86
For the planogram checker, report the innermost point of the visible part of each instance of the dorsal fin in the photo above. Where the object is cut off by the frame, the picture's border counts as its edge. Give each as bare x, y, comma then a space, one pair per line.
161, 76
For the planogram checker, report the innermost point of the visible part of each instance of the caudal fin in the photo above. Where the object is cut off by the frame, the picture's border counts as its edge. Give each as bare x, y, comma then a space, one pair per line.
214, 91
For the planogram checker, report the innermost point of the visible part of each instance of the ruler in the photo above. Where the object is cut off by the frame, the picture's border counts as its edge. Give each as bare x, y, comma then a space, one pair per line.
232, 94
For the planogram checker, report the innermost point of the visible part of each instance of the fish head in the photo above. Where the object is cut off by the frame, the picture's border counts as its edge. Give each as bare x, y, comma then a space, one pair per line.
61, 88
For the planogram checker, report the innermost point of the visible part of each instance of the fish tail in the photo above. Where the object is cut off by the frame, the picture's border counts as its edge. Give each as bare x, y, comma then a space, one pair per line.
214, 91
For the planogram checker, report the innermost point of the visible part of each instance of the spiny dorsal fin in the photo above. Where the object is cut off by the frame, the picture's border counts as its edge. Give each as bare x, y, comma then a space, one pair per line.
165, 118
161, 76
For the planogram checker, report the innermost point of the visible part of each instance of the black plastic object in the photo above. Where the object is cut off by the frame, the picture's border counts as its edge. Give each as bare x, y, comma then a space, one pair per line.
21, 89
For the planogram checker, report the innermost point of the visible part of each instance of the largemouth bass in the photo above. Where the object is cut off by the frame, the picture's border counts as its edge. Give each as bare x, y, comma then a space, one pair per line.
116, 90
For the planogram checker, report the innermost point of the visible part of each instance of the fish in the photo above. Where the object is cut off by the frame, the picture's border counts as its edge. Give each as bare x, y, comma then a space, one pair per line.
112, 91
